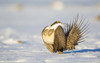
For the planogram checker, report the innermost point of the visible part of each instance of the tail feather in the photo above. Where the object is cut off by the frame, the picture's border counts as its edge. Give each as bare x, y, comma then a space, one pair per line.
76, 33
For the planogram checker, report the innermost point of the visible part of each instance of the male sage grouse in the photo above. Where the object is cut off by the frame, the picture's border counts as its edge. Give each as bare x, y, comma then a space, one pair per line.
60, 36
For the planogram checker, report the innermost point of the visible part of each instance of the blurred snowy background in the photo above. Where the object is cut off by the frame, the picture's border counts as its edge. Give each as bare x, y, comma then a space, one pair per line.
22, 21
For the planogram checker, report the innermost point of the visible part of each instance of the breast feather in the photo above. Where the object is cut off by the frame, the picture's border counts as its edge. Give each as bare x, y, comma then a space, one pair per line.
48, 38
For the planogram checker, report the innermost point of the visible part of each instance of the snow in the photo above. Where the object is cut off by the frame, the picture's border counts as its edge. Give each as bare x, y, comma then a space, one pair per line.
10, 41
26, 25
58, 5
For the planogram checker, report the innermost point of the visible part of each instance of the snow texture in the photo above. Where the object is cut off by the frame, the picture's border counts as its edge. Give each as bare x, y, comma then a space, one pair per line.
21, 27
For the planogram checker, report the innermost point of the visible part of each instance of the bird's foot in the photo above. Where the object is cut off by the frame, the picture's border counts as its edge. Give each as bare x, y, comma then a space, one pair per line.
60, 52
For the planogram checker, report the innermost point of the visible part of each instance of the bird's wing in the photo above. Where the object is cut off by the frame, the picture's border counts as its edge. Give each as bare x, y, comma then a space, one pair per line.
75, 34
59, 39
50, 47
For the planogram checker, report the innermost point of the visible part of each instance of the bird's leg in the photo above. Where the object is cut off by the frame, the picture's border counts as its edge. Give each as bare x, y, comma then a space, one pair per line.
60, 52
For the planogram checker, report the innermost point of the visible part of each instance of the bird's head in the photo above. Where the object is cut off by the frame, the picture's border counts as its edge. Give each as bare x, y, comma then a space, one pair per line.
56, 22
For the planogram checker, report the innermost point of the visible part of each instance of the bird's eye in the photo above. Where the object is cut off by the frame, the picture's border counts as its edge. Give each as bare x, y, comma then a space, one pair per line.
50, 31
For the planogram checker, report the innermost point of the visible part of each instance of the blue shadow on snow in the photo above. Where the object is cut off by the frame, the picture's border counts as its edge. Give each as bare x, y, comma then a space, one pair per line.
82, 51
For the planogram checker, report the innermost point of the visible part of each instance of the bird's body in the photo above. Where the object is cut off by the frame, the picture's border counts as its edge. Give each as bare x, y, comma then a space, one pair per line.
59, 36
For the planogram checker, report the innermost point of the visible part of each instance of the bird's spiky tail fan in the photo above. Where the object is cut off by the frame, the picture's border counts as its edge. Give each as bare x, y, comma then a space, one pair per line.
76, 33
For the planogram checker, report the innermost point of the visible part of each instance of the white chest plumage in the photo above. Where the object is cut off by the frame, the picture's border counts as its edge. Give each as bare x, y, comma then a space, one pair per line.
50, 38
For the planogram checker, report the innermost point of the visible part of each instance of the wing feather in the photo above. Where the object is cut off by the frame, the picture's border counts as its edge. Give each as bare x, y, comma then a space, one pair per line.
60, 39
50, 47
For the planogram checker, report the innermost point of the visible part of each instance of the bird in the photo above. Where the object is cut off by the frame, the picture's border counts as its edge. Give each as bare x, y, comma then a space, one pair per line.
59, 37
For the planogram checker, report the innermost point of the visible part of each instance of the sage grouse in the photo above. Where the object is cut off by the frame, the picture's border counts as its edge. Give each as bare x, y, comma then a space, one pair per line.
60, 36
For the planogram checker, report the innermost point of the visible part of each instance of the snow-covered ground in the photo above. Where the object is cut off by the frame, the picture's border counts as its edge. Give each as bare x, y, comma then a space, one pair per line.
21, 26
